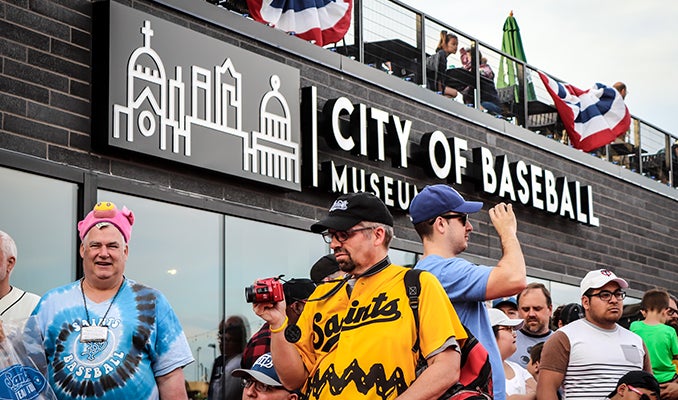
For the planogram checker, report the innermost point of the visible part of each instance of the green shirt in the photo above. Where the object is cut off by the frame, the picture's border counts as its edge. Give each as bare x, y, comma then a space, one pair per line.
662, 345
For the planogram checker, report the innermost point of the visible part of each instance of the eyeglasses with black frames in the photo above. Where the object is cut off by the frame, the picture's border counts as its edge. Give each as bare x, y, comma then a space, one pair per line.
672, 312
511, 329
643, 396
343, 236
462, 217
606, 295
258, 386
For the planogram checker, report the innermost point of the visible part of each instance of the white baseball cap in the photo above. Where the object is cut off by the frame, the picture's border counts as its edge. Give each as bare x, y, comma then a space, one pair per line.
599, 278
498, 318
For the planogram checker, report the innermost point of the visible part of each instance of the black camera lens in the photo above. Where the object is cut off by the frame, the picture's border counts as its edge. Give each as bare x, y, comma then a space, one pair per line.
250, 295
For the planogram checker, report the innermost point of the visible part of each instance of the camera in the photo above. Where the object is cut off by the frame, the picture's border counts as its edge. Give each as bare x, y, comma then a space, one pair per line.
268, 290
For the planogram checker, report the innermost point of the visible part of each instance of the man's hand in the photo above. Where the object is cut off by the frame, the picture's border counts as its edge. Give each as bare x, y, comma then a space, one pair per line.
273, 313
504, 220
509, 276
669, 391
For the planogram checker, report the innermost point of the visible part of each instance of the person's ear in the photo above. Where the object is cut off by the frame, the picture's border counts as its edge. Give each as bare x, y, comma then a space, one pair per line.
379, 234
298, 307
293, 396
11, 262
585, 302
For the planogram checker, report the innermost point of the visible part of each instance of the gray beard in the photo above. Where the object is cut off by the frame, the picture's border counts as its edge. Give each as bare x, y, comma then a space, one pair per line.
347, 266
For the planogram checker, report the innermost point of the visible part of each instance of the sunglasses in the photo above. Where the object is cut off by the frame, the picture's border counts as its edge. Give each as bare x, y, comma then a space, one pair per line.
462, 217
643, 396
260, 387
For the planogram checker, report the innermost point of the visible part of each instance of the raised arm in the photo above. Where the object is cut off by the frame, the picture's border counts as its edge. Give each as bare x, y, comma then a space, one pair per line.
286, 359
509, 276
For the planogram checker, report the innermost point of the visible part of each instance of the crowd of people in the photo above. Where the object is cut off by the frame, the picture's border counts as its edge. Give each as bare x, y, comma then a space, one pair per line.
439, 80
358, 328
577, 350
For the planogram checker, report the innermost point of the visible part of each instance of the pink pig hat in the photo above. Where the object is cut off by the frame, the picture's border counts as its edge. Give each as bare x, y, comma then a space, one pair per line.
105, 211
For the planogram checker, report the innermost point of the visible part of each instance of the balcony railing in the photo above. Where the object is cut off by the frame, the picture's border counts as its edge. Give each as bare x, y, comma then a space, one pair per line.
397, 39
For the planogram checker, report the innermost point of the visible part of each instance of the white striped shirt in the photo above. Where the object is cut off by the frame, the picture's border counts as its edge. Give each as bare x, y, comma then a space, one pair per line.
592, 359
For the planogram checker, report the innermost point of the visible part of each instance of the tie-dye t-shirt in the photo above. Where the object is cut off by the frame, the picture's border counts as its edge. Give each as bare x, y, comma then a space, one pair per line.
144, 340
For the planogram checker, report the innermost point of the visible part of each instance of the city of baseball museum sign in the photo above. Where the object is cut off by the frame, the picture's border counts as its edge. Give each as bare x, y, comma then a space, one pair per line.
375, 134
167, 91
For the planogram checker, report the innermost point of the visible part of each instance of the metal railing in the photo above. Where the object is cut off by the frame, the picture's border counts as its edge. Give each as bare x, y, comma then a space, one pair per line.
397, 39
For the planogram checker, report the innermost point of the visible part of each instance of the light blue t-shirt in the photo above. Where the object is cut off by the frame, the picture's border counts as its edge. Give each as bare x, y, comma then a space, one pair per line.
466, 285
144, 340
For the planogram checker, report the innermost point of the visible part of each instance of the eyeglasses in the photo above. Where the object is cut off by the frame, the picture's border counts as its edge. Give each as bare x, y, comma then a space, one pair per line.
462, 217
672, 312
343, 236
258, 386
511, 329
606, 295
643, 396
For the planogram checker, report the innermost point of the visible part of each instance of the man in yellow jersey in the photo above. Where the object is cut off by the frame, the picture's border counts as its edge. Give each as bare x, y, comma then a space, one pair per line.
355, 337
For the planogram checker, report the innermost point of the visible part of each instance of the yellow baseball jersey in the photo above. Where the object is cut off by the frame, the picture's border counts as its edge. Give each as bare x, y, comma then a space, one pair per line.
361, 347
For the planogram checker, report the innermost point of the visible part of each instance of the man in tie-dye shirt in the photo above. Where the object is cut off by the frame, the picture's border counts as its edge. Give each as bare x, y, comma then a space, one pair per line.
106, 336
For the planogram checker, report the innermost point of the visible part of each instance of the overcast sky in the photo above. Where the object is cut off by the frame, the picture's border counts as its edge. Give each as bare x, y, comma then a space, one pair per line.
584, 42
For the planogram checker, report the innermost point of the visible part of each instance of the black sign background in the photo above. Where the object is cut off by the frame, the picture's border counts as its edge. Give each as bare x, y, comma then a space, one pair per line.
118, 34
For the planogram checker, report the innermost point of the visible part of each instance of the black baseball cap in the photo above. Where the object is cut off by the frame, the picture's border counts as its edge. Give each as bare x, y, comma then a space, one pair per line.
571, 312
324, 267
350, 209
297, 289
638, 379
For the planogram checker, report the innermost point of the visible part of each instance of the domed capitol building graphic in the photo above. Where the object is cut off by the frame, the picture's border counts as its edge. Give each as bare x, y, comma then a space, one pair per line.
173, 113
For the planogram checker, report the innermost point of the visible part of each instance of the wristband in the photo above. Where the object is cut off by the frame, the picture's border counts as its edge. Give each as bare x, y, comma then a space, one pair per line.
281, 328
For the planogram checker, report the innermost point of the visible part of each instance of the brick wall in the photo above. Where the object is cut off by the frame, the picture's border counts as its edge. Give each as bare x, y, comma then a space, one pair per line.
45, 76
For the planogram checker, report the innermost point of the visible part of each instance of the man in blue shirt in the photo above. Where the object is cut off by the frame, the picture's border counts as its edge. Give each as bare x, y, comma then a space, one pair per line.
440, 217
107, 337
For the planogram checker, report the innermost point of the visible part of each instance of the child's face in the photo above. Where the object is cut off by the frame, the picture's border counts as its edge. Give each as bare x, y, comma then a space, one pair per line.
451, 46
533, 368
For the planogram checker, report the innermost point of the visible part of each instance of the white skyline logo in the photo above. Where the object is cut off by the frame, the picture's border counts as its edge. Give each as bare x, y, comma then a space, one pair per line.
156, 105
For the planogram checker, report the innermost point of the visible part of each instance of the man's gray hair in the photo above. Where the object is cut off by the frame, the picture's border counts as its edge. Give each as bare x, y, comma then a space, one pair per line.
8, 245
388, 231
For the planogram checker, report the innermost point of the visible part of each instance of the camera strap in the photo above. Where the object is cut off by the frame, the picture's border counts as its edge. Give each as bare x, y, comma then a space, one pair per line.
376, 268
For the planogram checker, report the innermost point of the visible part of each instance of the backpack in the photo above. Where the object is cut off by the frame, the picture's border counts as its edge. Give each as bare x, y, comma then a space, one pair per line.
475, 378
432, 64
433, 61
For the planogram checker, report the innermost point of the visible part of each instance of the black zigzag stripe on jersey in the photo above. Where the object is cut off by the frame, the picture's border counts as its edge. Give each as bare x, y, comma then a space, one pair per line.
375, 378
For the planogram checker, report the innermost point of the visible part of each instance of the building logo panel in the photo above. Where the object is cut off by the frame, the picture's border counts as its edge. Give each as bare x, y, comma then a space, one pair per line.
181, 95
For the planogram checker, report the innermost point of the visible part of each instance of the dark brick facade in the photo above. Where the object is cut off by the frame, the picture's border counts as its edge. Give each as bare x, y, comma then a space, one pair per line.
45, 80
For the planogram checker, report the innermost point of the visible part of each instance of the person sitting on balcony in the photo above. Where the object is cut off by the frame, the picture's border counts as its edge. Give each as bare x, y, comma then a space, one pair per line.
436, 65
489, 98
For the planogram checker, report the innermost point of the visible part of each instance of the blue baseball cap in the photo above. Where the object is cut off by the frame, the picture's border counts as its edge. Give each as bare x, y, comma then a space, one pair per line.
436, 200
262, 371
502, 300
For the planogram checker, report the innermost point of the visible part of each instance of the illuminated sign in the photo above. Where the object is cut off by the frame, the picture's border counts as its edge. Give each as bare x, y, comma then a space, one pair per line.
167, 91
376, 135
184, 96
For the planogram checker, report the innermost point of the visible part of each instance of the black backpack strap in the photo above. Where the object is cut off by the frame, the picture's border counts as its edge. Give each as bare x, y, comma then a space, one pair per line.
412, 289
